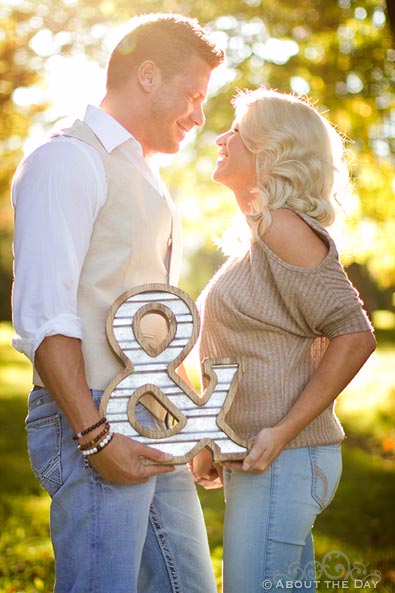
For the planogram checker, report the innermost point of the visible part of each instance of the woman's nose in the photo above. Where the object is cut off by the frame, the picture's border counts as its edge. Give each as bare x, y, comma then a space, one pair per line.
221, 139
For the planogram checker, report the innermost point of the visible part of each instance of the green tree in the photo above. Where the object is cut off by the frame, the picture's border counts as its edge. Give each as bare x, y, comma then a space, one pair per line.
16, 73
341, 53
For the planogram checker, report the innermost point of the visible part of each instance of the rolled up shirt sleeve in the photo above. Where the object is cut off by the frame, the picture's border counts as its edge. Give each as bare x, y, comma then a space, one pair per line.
57, 194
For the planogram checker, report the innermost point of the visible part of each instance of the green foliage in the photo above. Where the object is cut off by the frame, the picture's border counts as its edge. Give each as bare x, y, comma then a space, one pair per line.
341, 53
357, 522
14, 127
26, 557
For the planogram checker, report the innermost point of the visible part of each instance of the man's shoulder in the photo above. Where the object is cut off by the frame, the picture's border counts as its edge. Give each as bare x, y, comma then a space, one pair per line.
58, 150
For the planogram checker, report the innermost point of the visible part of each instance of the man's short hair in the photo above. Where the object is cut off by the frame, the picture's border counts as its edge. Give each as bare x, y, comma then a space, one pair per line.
168, 40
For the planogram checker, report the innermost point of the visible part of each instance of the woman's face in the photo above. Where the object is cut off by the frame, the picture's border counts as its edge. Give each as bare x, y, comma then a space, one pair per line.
235, 167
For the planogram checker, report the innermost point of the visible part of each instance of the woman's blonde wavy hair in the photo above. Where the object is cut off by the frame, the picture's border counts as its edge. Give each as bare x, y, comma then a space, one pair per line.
300, 157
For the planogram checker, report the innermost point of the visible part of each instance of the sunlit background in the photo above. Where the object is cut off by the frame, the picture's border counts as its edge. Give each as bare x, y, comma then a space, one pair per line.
341, 53
52, 63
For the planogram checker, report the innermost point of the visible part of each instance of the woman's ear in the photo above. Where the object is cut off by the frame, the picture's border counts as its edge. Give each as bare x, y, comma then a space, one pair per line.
148, 74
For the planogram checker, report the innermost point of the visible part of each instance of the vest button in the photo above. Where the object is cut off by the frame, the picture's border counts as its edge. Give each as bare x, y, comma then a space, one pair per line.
169, 242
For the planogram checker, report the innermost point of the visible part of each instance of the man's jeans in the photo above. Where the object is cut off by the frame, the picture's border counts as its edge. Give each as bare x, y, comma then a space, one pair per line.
110, 538
269, 517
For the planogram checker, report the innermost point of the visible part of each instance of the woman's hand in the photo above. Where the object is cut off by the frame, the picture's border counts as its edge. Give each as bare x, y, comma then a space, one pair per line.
266, 447
205, 472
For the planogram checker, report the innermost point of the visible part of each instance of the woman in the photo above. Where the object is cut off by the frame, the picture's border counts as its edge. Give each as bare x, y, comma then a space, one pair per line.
286, 308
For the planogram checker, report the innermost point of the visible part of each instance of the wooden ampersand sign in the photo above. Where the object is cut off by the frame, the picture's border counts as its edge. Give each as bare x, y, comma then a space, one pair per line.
150, 371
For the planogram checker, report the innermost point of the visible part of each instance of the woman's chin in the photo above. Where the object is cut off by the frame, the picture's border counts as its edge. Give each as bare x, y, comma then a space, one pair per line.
216, 176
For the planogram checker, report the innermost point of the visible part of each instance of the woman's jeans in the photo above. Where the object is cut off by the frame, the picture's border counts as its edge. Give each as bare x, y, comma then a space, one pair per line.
269, 517
110, 538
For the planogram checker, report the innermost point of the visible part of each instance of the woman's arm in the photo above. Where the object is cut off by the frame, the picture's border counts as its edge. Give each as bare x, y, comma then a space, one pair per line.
342, 360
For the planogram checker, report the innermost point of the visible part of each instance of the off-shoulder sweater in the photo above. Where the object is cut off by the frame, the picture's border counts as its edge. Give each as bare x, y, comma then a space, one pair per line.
278, 319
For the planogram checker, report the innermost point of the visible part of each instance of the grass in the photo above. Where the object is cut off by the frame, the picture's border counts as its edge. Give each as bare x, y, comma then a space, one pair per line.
26, 559
355, 534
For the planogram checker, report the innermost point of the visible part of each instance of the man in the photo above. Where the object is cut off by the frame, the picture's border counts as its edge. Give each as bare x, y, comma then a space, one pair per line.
91, 221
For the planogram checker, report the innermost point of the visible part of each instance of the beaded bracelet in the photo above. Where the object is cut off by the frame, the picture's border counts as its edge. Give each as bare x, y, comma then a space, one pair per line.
89, 429
96, 439
98, 447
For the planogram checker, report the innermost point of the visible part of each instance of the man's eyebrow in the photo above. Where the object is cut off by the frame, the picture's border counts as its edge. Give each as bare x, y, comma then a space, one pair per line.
196, 92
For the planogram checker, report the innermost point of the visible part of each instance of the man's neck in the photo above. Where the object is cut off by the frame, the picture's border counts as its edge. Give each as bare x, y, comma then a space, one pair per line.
132, 119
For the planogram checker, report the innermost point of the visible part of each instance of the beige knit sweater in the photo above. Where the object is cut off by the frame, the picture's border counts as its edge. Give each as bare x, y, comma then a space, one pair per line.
278, 318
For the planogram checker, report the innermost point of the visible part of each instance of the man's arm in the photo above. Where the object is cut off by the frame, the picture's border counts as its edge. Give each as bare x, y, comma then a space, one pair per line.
59, 362
53, 226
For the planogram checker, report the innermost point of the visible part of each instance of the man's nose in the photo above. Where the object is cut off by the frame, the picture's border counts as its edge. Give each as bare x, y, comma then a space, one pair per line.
198, 116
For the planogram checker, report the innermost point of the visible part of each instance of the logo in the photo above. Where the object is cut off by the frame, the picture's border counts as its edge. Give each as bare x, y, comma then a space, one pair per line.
335, 571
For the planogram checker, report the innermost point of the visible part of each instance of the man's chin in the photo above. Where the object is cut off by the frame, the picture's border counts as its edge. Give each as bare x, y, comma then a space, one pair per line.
173, 149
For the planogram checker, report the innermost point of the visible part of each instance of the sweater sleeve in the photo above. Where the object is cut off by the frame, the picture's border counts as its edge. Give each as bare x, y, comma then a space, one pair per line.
321, 301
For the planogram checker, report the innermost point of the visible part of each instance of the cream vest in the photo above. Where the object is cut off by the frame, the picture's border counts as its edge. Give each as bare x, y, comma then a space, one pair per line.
136, 240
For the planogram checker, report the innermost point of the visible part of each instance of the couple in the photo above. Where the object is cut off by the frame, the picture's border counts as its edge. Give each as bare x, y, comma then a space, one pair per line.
92, 220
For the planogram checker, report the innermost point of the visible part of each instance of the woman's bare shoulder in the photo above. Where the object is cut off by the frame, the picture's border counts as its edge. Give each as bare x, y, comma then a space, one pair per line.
294, 241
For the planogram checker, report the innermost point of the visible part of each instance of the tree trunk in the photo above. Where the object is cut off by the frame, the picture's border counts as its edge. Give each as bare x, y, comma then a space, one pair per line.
391, 14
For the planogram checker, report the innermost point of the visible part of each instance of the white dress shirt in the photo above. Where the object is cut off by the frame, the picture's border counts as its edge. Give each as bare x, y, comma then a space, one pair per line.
57, 193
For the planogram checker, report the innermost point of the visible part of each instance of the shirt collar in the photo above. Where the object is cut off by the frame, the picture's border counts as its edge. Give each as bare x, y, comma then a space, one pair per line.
108, 130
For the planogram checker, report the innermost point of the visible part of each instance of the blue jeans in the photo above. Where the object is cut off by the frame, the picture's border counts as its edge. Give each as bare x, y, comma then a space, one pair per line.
269, 517
110, 538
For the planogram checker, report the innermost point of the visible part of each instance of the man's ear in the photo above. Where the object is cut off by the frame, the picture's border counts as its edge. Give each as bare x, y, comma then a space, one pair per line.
148, 75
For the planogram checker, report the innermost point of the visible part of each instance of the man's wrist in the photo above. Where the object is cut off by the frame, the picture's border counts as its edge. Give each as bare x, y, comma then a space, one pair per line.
88, 429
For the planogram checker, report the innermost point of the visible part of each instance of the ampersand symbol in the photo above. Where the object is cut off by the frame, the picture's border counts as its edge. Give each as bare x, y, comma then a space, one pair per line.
151, 329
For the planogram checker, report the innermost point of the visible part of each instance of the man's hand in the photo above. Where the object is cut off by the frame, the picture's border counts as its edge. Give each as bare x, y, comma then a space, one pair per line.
120, 461
60, 363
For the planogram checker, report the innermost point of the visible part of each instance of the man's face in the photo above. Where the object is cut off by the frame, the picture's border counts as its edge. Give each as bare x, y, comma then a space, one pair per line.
176, 106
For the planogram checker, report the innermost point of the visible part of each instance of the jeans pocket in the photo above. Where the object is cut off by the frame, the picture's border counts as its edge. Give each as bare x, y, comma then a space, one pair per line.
326, 463
44, 445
